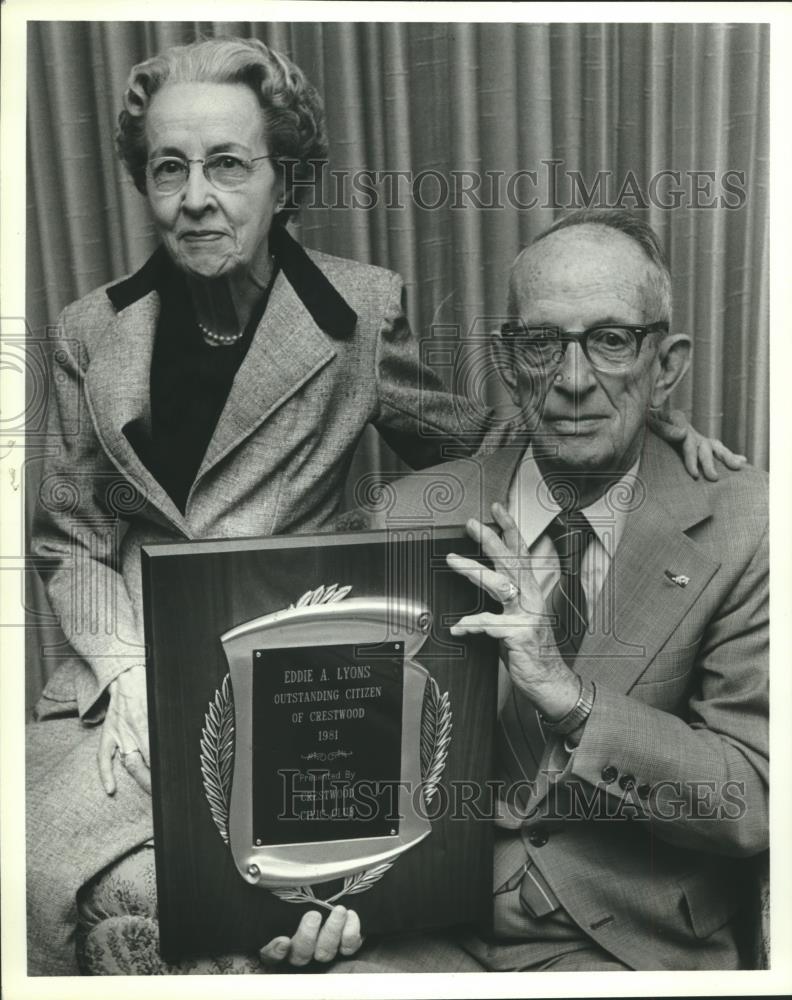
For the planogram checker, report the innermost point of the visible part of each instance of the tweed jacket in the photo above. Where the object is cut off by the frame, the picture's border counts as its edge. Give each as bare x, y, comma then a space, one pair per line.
641, 825
332, 353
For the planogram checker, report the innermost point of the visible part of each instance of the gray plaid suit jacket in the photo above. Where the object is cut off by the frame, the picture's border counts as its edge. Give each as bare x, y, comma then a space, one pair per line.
648, 819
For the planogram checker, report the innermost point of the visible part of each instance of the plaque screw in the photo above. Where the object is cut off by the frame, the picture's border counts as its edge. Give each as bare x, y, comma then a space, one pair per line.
254, 871
393, 833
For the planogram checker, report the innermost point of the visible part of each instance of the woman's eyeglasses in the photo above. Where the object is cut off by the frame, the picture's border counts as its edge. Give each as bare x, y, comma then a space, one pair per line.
610, 348
225, 171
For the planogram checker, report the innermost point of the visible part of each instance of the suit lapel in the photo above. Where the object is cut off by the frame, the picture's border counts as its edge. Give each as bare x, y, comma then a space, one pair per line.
640, 605
497, 472
118, 394
287, 349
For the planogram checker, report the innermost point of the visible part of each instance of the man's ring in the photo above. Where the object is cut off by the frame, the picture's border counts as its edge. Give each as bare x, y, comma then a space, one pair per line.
508, 594
123, 754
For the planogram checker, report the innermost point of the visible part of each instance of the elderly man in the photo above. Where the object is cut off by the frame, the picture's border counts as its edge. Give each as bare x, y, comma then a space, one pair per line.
634, 634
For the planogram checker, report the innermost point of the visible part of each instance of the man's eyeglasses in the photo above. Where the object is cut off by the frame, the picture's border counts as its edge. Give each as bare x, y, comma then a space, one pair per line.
610, 348
225, 171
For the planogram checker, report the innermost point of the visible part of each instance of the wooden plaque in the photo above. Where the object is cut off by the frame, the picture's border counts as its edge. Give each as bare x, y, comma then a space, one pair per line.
317, 735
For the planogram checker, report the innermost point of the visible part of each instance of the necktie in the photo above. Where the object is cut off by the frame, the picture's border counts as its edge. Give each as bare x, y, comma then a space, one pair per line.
521, 736
570, 533
521, 739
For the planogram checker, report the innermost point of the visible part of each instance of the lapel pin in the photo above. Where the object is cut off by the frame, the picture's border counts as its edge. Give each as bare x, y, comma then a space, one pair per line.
680, 579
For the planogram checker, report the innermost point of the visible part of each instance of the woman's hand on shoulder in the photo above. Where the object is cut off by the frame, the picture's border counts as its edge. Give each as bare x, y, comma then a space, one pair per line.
314, 941
125, 730
698, 452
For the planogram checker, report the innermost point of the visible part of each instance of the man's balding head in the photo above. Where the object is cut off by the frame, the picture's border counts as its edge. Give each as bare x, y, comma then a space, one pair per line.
605, 226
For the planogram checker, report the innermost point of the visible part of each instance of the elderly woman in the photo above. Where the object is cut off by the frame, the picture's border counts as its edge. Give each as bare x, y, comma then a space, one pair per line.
219, 391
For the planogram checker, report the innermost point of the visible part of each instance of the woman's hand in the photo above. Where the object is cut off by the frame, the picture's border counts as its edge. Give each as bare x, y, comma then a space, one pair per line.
125, 730
698, 452
313, 942
532, 657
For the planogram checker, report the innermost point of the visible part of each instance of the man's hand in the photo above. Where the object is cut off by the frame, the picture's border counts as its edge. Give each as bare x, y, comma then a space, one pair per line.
532, 657
313, 942
125, 730
698, 452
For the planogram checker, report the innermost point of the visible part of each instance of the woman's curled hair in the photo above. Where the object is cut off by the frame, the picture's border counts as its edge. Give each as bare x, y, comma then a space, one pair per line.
292, 109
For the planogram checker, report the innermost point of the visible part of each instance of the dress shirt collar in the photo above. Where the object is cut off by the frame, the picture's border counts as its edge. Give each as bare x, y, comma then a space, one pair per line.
536, 508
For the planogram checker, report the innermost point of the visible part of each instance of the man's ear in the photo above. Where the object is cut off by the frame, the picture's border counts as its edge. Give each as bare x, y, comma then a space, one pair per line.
673, 356
502, 357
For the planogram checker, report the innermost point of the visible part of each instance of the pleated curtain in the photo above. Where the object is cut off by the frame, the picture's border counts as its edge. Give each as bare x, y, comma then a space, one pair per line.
539, 114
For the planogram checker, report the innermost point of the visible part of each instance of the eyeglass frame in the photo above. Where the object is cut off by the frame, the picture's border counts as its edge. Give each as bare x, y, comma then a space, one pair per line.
203, 160
513, 329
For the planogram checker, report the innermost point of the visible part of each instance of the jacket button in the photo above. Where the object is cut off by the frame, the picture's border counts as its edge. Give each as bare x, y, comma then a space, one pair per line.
537, 837
609, 773
627, 781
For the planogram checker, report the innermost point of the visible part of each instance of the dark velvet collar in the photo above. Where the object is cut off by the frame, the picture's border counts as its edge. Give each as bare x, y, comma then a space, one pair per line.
330, 311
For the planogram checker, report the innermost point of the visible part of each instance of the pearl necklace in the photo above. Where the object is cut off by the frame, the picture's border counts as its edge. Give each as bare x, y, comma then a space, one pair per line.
227, 339
219, 339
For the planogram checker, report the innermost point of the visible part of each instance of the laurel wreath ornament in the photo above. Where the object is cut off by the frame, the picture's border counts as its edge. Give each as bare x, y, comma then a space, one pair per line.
217, 761
217, 755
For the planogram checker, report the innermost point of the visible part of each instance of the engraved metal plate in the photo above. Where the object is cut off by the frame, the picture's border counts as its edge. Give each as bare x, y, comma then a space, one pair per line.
334, 750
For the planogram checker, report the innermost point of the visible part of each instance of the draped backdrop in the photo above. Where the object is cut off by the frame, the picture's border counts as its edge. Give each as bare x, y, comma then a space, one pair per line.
497, 129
